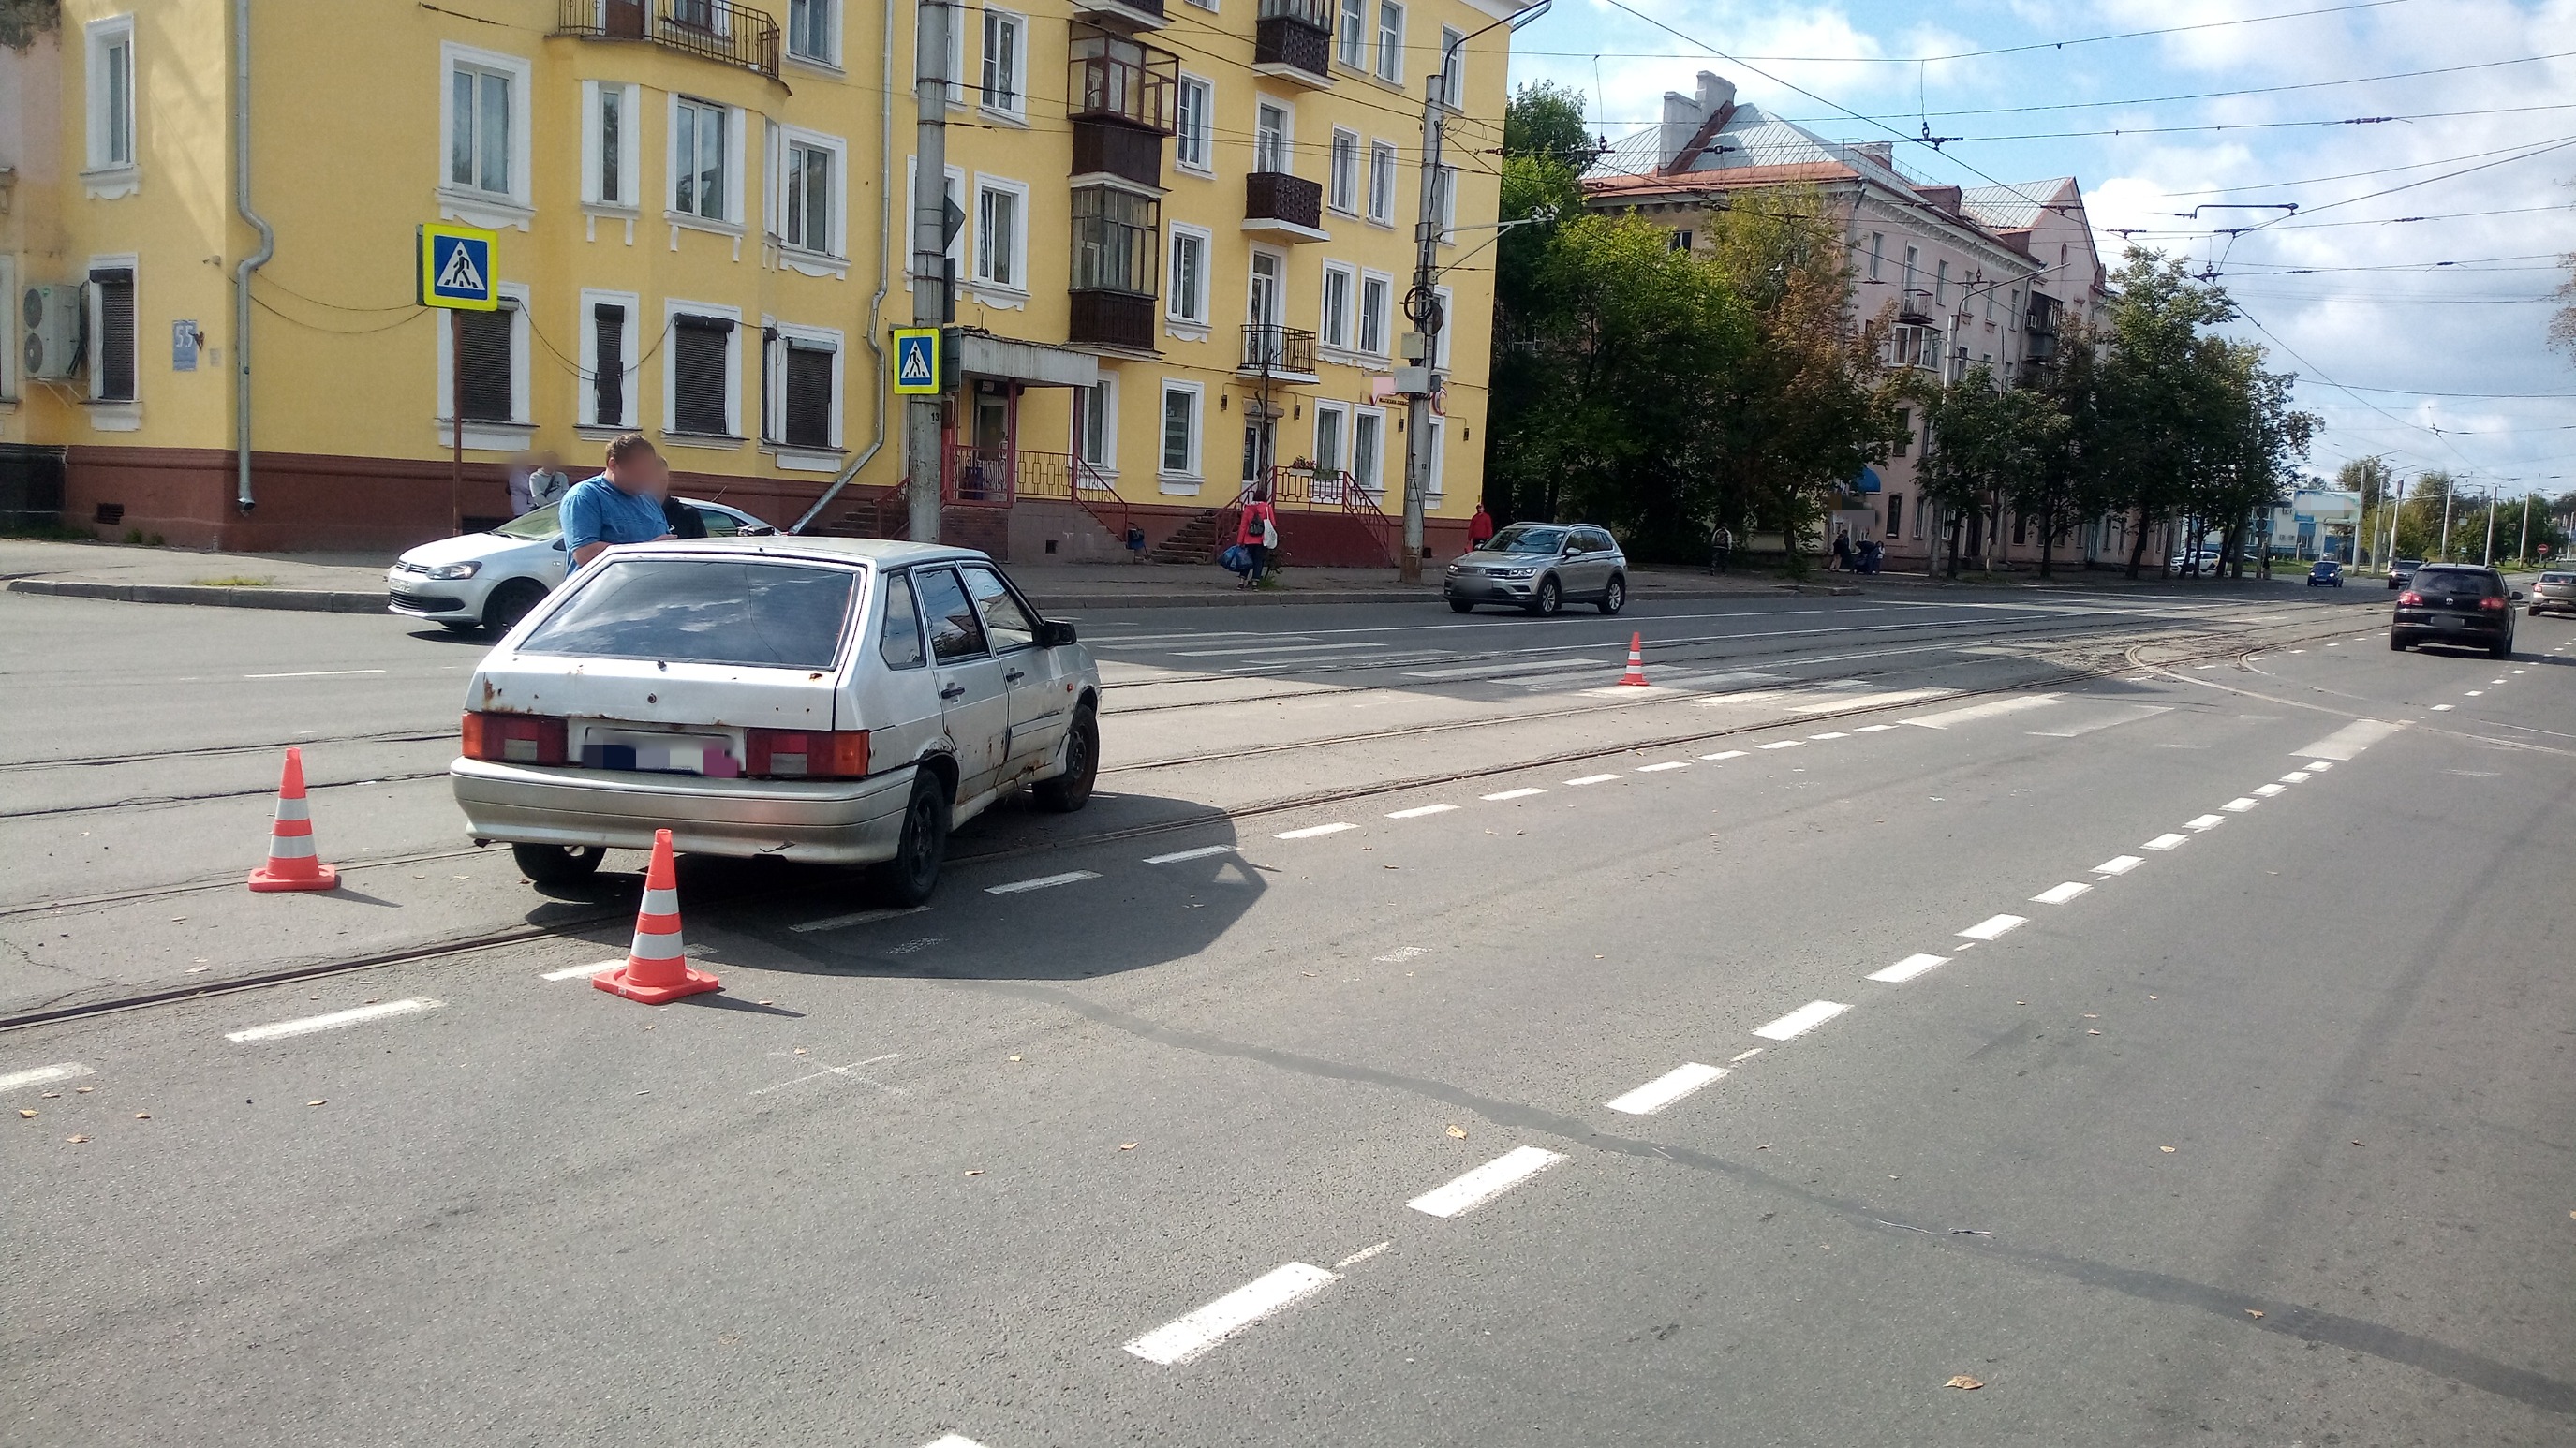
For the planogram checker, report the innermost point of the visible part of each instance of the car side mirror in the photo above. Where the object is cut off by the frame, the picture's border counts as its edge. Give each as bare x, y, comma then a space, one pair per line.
2517, 595
1055, 633
558, 545
759, 530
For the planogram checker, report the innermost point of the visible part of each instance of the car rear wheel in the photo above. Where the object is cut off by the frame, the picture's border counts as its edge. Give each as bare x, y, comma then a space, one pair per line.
1460, 605
2397, 641
1615, 597
1549, 600
558, 864
913, 873
1071, 790
2502, 648
510, 603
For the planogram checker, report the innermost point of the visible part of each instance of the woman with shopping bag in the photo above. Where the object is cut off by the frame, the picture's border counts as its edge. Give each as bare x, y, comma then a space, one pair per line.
1258, 535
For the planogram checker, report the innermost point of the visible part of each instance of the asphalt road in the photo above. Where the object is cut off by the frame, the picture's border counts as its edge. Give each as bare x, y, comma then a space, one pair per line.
1351, 1071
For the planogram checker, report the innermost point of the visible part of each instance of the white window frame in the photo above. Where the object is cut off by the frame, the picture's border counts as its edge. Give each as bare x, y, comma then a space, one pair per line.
108, 175
1190, 479
1390, 49
1284, 150
1193, 327
630, 149
957, 86
585, 397
1384, 315
1448, 328
1438, 427
1206, 5
1015, 292
1341, 414
1444, 203
830, 57
516, 207
1452, 62
1382, 152
1941, 282
912, 198
731, 223
1877, 252
1203, 140
1014, 104
1374, 480
1350, 39
1106, 442
1350, 280
120, 414
796, 458
1343, 181
483, 436
833, 257
672, 309
9, 343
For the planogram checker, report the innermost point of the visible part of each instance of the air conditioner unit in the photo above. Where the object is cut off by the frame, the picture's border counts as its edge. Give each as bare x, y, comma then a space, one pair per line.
53, 320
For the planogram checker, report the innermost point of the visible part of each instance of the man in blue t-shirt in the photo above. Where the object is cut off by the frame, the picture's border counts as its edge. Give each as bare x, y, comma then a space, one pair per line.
621, 505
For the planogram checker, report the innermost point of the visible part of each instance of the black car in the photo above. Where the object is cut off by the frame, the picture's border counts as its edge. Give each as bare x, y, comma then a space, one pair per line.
2455, 603
2401, 570
2326, 574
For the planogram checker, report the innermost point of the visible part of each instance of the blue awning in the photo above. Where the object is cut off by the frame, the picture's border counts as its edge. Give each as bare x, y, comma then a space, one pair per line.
1868, 482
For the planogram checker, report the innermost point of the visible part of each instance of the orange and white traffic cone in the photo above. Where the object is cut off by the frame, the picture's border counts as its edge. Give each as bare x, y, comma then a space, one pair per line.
292, 864
1636, 660
657, 965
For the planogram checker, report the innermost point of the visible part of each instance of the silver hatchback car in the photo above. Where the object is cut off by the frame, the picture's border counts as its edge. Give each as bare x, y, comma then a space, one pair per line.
1541, 567
844, 701
2556, 589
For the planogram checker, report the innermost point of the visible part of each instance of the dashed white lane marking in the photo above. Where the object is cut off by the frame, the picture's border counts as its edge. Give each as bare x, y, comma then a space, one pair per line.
1282, 649
2441, 708
1486, 1182
355, 1015
954, 1440
1201, 853
571, 972
1740, 1057
1479, 671
1593, 779
2266, 791
1800, 1021
1314, 831
1184, 1338
316, 674
1873, 728
1993, 926
842, 922
1724, 754
1042, 882
1986, 710
2240, 804
1362, 1255
2316, 766
1884, 699
2296, 776
1660, 768
1418, 811
1666, 1089
1516, 794
1402, 953
1782, 744
2348, 741
43, 1075
2473, 693
2061, 893
2165, 842
2118, 865
1908, 968
1831, 734
2204, 822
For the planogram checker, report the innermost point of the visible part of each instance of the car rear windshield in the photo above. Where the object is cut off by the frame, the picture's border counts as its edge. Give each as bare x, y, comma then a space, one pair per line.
705, 611
2558, 578
1528, 540
2457, 582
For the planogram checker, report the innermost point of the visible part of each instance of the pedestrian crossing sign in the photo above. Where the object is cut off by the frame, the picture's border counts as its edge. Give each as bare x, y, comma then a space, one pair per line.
456, 269
916, 361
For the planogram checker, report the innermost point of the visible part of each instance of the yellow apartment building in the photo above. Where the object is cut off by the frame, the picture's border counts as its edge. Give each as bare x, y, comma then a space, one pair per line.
1187, 233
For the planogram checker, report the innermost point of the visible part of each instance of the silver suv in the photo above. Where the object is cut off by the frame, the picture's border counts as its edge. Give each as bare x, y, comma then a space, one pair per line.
1541, 567
2554, 590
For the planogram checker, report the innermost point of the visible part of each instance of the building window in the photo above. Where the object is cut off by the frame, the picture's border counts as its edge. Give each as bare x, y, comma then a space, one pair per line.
1895, 514
1448, 327
1095, 424
608, 359
1002, 32
1336, 328
485, 380
1181, 429
609, 146
1368, 444
813, 31
698, 158
111, 372
1913, 264
1115, 238
1189, 299
702, 395
1444, 201
1390, 42
1941, 283
1271, 137
954, 188
811, 386
1453, 68
1001, 239
956, 50
1381, 198
1375, 291
1353, 39
1877, 245
809, 211
1190, 149
2012, 312
478, 140
1344, 193
1904, 431
111, 93
1332, 426
1681, 241
1434, 429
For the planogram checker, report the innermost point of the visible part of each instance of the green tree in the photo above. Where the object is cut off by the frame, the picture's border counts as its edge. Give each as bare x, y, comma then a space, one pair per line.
2165, 405
1985, 444
2250, 456
21, 21
1545, 121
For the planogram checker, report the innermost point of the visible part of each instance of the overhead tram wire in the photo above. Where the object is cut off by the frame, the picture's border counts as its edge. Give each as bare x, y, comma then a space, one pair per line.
2212, 126
1996, 50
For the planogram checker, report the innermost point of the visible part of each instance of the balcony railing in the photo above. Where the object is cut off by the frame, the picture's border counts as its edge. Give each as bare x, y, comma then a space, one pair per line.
1112, 319
1278, 196
1278, 351
719, 30
1297, 34
1108, 148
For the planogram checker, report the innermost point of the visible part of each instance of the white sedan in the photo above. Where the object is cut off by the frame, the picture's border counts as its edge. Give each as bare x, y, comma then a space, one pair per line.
491, 580
838, 700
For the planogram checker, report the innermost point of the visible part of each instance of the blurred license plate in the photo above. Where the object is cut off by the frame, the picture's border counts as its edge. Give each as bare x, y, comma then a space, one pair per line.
662, 754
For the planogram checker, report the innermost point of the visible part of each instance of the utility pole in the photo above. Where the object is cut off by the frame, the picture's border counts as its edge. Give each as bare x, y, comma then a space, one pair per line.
2450, 490
2489, 560
2522, 550
924, 468
2388, 556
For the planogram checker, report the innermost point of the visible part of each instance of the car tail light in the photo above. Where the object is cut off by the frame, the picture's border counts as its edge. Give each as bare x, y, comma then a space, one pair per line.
2495, 604
514, 738
2410, 599
806, 753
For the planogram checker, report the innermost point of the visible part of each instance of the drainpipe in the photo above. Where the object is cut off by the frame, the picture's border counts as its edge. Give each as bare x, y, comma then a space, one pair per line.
250, 263
876, 304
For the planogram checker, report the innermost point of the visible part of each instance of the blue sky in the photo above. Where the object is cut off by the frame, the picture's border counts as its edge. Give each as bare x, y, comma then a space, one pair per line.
2438, 366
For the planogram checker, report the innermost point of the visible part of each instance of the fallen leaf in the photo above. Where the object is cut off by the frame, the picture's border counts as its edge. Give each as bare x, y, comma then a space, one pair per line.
1459, 1132
1126, 1146
75, 1140
320, 1101
765, 1003
2092, 1033
143, 1116
2253, 1312
2167, 1149
50, 1095
1766, 1146
2356, 1143
2088, 1015
979, 1171
26, 1115
1964, 1383
83, 1090
1015, 1058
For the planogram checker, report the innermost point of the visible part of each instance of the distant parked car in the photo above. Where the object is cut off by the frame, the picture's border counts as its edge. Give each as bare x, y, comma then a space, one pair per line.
2326, 574
491, 580
2401, 571
2554, 590
2202, 562
1541, 567
2455, 603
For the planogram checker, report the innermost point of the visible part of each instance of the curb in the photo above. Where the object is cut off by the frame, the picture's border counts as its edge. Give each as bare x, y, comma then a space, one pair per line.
297, 600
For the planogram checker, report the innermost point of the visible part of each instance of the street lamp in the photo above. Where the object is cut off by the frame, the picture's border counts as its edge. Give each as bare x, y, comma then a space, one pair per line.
1421, 350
